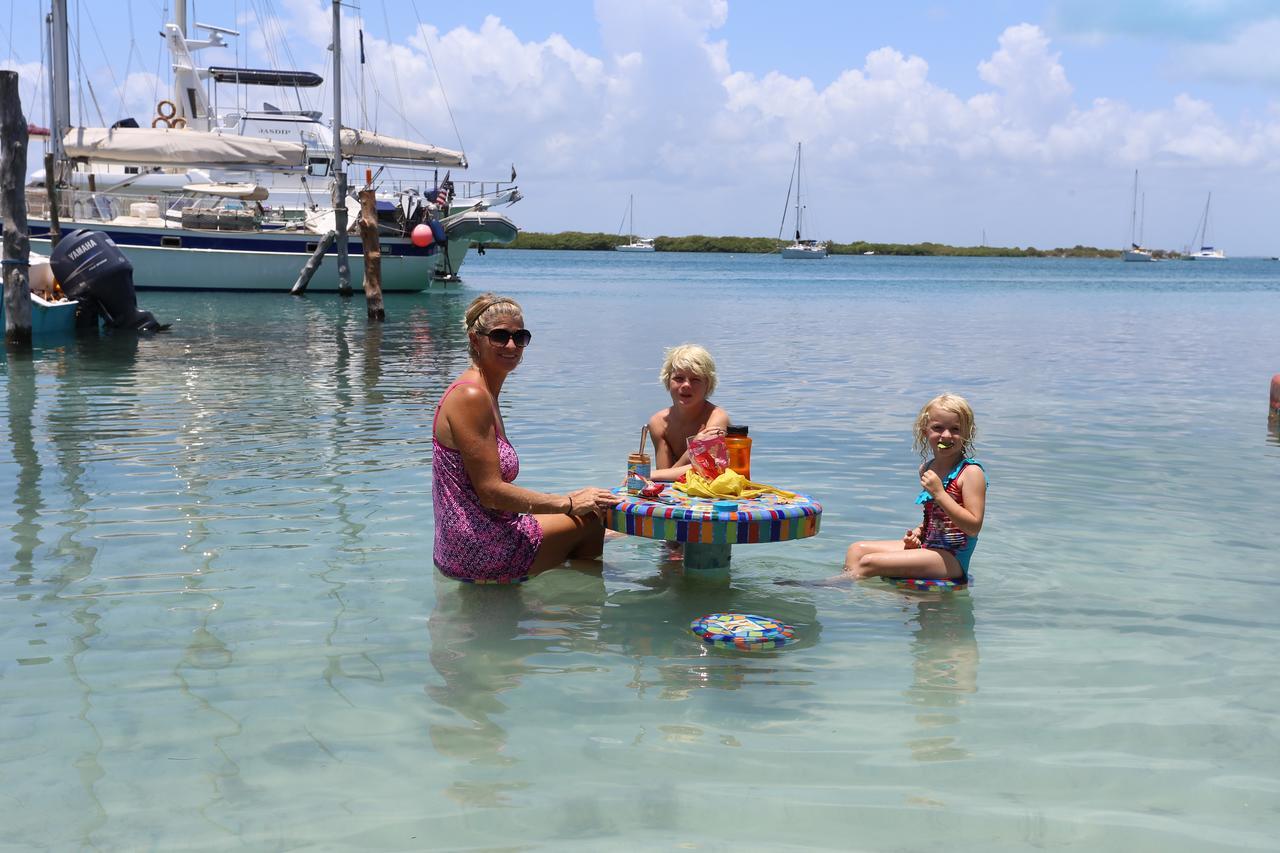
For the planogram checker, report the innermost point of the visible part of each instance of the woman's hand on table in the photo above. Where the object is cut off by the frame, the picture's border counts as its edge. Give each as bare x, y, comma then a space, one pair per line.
591, 499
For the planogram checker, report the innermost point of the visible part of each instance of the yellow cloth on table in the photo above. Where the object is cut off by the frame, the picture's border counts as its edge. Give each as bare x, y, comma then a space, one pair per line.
730, 484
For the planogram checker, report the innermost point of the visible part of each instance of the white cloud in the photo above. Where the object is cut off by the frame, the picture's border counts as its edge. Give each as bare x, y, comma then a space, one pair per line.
1034, 84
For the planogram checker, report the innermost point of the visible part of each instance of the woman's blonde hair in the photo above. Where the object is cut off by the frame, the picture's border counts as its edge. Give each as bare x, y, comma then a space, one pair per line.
485, 310
956, 405
693, 359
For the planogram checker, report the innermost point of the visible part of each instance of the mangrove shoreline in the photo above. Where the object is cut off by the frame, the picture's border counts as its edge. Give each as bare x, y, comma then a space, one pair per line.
584, 241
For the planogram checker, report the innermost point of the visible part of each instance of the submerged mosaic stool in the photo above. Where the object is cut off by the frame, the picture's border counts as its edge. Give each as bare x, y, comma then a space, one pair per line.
926, 584
744, 631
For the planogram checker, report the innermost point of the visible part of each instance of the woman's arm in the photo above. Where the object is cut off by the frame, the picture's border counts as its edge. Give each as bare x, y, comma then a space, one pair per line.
469, 414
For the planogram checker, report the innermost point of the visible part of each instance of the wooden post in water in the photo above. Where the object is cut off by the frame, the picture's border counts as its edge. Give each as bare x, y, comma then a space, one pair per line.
313, 264
16, 257
51, 189
372, 255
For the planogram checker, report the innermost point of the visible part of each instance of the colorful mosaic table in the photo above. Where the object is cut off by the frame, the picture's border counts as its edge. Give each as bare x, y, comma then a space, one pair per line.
708, 533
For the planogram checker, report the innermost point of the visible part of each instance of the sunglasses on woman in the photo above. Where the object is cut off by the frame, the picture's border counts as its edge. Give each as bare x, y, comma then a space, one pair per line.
500, 337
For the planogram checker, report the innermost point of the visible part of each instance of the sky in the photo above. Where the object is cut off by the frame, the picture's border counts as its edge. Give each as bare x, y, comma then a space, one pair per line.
942, 121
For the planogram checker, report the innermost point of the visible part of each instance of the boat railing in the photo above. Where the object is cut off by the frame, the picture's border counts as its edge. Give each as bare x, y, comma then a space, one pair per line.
461, 188
175, 209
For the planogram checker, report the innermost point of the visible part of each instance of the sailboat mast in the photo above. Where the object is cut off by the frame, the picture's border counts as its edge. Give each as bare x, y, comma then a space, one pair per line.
1204, 226
1133, 219
798, 152
631, 217
59, 85
180, 21
340, 174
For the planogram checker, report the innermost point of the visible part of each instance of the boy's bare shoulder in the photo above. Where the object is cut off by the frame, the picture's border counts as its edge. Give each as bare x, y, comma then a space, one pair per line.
659, 421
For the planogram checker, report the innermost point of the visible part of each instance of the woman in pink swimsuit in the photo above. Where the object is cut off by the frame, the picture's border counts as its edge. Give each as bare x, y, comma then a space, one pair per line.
488, 529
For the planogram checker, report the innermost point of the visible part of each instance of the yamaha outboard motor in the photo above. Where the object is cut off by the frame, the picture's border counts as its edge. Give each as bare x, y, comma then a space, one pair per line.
93, 270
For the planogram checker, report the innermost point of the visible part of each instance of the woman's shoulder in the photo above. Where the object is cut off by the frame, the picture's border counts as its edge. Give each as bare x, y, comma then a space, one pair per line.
468, 398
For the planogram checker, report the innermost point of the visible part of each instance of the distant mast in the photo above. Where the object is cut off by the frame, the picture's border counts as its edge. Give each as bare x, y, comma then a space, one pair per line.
1133, 219
799, 146
340, 173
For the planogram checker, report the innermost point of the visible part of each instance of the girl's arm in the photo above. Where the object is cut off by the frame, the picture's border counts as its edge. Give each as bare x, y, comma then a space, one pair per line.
469, 413
973, 488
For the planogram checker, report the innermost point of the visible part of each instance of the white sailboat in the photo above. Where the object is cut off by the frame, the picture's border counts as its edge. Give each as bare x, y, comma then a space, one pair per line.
634, 243
800, 247
239, 200
1206, 252
1135, 252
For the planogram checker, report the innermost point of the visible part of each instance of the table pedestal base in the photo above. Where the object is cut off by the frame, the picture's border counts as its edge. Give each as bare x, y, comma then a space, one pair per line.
702, 557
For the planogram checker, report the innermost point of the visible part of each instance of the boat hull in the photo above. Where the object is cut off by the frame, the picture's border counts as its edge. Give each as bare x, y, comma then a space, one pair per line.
247, 261
1137, 256
50, 321
633, 248
811, 254
481, 227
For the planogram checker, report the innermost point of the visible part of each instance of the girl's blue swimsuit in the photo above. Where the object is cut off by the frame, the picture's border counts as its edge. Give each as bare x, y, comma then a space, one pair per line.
939, 531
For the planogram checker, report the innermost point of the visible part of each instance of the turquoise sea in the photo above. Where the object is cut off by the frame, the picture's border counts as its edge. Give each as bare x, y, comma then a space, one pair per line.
220, 627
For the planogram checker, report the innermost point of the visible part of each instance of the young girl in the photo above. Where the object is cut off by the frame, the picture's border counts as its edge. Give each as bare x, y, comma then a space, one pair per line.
954, 497
689, 375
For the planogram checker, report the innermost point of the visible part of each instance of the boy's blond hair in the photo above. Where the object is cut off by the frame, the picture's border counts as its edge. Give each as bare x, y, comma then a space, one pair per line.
956, 405
693, 359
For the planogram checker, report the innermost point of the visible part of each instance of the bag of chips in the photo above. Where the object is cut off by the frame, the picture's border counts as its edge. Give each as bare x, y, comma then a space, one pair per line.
709, 456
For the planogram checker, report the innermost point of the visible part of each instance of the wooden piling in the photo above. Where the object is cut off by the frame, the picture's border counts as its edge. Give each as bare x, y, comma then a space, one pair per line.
372, 256
15, 259
313, 264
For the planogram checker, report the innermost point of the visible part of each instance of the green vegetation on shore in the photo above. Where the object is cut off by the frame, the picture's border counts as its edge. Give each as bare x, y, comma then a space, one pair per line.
601, 242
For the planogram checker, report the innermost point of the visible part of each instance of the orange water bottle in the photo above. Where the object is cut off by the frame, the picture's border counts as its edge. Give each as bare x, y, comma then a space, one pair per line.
739, 446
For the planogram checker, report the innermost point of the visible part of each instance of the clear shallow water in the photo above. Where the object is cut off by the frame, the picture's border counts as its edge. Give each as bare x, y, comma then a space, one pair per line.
219, 625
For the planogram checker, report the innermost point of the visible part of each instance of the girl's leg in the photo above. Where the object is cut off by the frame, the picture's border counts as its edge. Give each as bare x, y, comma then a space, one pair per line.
858, 550
907, 563
568, 537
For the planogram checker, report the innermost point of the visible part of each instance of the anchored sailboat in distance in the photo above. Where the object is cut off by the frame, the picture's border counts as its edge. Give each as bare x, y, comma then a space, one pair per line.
1206, 252
1135, 252
636, 244
800, 248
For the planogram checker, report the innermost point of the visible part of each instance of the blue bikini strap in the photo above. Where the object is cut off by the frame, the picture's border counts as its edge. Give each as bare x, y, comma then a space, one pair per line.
924, 497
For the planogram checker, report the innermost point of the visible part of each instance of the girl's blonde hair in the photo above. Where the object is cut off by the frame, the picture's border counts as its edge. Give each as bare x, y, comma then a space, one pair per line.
956, 405
692, 359
485, 310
